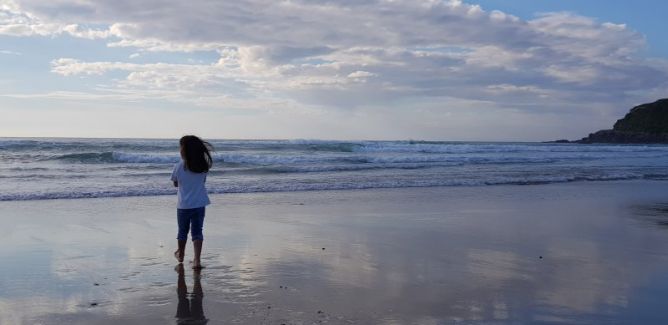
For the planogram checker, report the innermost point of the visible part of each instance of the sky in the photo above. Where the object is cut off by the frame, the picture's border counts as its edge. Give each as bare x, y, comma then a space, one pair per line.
487, 70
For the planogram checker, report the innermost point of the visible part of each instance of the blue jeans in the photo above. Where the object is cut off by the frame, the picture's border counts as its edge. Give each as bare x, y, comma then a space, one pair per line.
190, 219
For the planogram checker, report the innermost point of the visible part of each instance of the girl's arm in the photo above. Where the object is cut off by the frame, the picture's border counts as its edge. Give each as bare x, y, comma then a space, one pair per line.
175, 177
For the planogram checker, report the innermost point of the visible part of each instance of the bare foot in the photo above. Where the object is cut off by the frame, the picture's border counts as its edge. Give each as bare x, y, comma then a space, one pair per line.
197, 265
178, 256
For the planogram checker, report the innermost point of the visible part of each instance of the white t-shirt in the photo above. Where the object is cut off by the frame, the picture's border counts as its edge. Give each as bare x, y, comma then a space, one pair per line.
191, 191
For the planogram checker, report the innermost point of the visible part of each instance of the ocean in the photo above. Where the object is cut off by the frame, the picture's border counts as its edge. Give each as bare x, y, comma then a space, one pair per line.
36, 169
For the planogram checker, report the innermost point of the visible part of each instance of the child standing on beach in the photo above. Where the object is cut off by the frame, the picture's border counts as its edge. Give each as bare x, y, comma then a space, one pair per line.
189, 176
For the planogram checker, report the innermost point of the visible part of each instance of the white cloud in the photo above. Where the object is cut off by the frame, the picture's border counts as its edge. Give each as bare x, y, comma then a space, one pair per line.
15, 22
507, 88
361, 74
352, 53
8, 52
580, 75
69, 67
77, 31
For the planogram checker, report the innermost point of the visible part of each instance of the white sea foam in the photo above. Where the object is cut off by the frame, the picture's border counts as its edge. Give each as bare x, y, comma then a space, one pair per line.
145, 158
241, 187
60, 168
307, 158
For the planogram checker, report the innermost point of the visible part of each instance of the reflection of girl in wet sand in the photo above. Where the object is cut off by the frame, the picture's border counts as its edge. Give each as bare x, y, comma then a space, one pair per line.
189, 311
189, 176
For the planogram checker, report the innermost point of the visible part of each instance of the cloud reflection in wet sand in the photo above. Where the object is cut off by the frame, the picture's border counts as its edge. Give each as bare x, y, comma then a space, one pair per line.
422, 256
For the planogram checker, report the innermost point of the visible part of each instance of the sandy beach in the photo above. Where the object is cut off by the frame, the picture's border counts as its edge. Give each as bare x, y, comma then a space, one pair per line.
590, 252
376, 162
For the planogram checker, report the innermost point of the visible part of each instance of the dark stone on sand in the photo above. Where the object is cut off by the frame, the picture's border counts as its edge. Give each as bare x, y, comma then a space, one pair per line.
93, 304
646, 123
319, 311
541, 257
323, 248
96, 284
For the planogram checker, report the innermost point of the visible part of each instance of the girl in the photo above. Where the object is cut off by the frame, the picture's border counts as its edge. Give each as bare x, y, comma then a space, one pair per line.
189, 176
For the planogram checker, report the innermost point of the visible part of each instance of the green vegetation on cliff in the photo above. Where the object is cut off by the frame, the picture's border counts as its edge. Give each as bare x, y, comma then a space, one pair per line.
646, 118
646, 123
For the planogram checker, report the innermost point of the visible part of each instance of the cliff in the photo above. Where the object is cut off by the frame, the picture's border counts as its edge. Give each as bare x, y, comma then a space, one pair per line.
646, 123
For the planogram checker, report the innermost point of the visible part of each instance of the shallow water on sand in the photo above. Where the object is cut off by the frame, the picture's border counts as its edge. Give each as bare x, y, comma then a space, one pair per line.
573, 253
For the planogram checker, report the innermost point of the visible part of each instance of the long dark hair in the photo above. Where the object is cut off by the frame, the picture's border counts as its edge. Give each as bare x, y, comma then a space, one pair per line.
196, 154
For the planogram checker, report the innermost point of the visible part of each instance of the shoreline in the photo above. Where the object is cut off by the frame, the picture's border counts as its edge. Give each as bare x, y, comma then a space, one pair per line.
569, 252
270, 192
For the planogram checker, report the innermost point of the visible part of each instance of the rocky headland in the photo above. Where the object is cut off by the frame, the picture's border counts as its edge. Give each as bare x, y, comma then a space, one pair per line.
646, 123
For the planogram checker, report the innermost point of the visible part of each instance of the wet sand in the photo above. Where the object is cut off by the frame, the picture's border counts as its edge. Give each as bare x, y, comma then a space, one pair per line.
562, 253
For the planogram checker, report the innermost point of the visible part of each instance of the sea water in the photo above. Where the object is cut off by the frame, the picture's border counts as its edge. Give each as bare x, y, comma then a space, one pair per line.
33, 169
